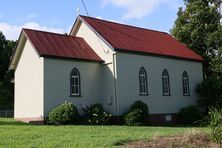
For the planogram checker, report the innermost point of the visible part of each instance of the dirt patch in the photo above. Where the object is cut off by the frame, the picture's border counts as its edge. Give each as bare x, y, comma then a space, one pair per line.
181, 141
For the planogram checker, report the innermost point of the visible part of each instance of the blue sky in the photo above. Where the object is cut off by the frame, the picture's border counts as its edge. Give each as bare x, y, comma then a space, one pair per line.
59, 15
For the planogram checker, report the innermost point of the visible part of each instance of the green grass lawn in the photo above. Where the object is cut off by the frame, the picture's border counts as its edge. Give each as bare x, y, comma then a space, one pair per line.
16, 134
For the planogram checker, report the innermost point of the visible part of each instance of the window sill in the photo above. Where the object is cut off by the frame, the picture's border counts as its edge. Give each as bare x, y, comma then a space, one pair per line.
75, 96
186, 95
166, 94
144, 94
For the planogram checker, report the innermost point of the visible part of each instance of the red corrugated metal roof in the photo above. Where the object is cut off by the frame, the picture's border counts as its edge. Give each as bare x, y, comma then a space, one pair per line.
58, 45
134, 39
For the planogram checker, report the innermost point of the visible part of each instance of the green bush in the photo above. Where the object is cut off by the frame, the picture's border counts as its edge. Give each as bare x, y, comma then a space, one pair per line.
139, 105
93, 109
134, 118
95, 115
214, 119
189, 115
136, 114
64, 114
216, 134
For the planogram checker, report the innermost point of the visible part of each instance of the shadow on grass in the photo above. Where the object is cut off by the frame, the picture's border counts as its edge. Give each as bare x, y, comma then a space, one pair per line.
7, 121
179, 126
122, 142
11, 121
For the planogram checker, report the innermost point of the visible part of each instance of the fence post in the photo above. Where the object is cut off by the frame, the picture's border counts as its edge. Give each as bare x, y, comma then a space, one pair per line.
6, 113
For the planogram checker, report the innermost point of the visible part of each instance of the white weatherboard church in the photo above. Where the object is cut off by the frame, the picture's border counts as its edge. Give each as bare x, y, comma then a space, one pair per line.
103, 62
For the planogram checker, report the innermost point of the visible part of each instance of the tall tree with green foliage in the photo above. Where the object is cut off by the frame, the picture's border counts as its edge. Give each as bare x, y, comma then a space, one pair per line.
3, 44
198, 26
6, 87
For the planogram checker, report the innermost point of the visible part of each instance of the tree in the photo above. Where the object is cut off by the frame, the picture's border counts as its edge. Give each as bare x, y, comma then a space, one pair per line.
198, 26
3, 44
215, 42
210, 92
6, 87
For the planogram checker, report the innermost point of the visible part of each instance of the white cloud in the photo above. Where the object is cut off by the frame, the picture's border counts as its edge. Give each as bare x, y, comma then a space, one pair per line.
12, 31
139, 8
27, 18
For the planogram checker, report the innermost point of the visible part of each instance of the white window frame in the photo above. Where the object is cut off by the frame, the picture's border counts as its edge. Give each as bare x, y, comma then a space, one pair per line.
75, 76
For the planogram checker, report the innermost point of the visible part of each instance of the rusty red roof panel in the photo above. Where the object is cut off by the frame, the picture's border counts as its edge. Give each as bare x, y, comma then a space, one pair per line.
129, 38
58, 45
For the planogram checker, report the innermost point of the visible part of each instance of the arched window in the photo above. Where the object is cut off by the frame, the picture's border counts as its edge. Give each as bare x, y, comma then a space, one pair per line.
185, 81
166, 83
143, 81
75, 82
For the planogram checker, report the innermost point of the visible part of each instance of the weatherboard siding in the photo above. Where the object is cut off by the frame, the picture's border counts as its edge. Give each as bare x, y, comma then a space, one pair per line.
95, 42
57, 83
29, 84
128, 66
106, 53
107, 91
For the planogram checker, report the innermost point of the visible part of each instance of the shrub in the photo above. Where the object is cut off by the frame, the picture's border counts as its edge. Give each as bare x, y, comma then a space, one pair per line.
134, 118
189, 115
93, 109
64, 114
95, 115
136, 114
214, 119
139, 105
216, 134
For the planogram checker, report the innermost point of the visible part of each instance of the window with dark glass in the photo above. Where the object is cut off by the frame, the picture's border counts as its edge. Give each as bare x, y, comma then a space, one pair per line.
185, 81
165, 83
75, 83
143, 81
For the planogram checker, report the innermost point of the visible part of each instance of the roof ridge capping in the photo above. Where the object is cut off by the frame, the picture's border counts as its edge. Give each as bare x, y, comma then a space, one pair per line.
119, 23
54, 33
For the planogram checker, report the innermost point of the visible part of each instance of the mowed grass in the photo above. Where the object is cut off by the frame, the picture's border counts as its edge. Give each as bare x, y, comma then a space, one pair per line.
16, 134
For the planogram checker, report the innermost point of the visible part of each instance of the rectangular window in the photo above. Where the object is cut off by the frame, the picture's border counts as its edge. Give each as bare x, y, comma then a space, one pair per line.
75, 85
185, 86
143, 86
166, 89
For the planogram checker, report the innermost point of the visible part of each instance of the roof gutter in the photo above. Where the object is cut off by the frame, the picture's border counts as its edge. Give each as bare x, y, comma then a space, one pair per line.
72, 58
158, 55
